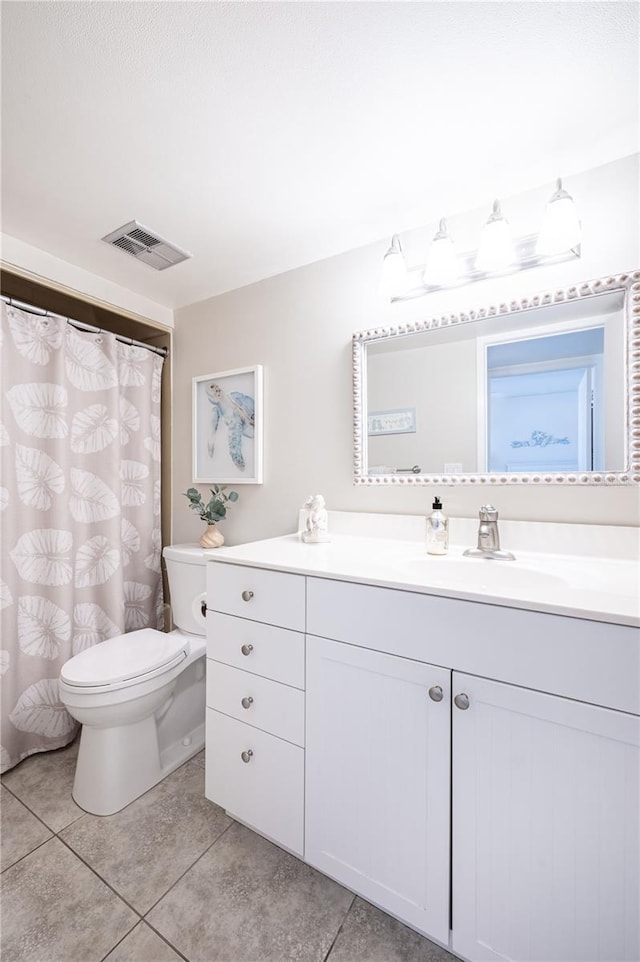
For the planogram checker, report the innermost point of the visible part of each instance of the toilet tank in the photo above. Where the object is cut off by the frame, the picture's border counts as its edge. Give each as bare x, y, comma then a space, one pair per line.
186, 571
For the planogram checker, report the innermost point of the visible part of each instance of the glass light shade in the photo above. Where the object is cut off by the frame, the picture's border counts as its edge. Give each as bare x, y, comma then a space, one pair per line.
394, 278
560, 229
442, 268
496, 250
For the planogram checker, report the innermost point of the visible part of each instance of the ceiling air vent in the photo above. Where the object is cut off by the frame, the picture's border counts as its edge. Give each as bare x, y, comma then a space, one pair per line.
136, 239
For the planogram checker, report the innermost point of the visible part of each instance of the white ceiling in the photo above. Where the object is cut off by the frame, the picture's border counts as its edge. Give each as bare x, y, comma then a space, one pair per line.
261, 136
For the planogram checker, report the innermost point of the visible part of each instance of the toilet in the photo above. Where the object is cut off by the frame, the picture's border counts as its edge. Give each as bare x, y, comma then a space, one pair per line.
140, 697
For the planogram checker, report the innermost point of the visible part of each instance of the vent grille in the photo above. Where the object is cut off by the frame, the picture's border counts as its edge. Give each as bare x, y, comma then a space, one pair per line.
136, 239
127, 244
144, 237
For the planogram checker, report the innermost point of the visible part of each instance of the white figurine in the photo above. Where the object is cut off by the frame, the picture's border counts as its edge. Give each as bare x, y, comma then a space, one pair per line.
316, 522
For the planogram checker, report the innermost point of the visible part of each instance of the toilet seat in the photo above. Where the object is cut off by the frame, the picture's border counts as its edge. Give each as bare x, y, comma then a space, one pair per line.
125, 660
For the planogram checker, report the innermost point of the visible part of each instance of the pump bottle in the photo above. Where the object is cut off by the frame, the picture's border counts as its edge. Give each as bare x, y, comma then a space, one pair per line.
437, 530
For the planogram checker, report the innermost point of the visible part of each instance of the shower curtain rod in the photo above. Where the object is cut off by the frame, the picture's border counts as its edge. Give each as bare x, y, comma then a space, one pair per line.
82, 326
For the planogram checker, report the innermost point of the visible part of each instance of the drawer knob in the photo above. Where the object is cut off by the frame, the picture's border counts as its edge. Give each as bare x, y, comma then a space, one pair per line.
461, 701
246, 756
247, 702
203, 608
247, 595
436, 693
246, 649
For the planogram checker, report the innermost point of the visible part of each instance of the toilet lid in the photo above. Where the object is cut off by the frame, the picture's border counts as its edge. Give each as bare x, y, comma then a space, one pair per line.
124, 657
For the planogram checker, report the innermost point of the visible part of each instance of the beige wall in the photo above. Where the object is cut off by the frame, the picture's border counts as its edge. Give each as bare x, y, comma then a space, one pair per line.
299, 326
446, 426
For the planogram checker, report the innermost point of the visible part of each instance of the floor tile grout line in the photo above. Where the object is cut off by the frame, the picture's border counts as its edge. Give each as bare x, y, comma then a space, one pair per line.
145, 918
180, 877
139, 916
159, 934
340, 927
27, 854
81, 811
120, 941
166, 940
126, 934
103, 880
31, 812
40, 819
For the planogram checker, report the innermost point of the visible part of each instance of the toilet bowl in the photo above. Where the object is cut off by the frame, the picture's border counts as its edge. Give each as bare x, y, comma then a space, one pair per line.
140, 697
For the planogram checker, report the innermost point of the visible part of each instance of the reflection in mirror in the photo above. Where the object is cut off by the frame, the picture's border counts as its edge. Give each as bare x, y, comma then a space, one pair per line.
536, 391
553, 388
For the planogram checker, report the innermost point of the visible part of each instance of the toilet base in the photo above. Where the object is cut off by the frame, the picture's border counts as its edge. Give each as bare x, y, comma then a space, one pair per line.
119, 762
117, 765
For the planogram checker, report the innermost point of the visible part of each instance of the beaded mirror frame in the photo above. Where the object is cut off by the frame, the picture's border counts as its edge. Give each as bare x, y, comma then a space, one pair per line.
628, 284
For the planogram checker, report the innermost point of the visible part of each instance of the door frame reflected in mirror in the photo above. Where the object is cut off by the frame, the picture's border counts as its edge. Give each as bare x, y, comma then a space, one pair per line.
566, 428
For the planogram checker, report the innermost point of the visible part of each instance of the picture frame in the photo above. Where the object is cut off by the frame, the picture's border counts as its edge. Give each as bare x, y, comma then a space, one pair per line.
397, 421
227, 427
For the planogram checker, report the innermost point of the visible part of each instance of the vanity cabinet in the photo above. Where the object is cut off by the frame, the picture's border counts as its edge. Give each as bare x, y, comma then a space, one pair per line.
255, 699
471, 768
544, 837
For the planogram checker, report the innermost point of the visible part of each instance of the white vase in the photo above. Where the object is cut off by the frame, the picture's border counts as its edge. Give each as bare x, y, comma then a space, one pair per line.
211, 538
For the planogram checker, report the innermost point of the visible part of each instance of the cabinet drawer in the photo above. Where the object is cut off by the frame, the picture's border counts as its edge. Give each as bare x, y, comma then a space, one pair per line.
274, 597
267, 792
274, 708
276, 653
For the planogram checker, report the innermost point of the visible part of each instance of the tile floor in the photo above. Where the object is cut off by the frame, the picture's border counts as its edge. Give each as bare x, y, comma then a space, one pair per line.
170, 877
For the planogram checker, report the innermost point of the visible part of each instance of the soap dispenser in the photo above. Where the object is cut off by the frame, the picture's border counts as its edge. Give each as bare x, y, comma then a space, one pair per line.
437, 530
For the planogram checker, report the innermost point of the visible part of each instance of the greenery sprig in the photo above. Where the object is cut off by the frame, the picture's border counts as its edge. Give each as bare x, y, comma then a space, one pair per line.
216, 508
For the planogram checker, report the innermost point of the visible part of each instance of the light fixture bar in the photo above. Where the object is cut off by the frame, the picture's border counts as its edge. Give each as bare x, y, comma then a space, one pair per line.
526, 257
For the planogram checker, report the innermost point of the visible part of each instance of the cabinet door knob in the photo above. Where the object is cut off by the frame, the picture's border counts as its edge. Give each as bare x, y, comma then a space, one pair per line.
246, 756
461, 701
247, 702
203, 608
247, 595
246, 649
436, 693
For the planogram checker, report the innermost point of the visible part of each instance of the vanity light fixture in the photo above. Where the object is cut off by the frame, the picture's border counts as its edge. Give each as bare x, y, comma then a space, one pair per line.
442, 268
393, 282
558, 241
561, 229
496, 251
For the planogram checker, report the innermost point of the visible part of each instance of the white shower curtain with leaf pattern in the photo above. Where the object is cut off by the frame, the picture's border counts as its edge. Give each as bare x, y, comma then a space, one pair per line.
80, 511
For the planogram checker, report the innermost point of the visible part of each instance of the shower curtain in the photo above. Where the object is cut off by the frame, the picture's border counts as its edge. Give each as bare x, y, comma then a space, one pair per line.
79, 511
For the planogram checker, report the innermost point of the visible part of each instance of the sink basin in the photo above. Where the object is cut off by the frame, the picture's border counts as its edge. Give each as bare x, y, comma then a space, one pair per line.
476, 573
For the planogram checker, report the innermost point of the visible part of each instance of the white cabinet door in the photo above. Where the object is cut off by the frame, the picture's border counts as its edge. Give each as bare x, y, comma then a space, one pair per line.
377, 779
545, 827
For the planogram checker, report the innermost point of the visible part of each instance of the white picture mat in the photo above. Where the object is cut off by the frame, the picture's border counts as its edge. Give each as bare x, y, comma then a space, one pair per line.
213, 460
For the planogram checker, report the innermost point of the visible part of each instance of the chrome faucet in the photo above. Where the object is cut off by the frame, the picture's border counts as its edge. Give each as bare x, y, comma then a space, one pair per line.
489, 538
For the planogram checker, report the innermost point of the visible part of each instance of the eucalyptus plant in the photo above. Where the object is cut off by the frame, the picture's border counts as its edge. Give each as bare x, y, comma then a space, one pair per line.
215, 509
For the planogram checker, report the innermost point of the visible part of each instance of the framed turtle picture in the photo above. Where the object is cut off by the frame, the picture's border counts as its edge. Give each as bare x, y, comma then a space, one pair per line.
227, 427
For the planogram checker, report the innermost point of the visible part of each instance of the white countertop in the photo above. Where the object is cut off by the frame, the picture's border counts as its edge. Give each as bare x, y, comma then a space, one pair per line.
600, 588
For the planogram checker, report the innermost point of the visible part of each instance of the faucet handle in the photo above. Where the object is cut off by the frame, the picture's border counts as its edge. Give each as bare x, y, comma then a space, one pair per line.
488, 513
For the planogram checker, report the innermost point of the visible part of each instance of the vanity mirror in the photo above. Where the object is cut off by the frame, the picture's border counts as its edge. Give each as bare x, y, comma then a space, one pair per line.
545, 390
